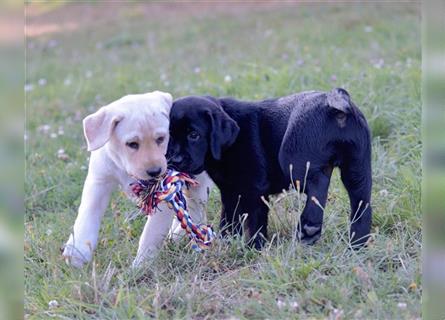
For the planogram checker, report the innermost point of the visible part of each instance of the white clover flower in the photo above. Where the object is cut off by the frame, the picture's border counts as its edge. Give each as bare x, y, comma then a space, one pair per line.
281, 304
28, 87
53, 304
402, 305
44, 128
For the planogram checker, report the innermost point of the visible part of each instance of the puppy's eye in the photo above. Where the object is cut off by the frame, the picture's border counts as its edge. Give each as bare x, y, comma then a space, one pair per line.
160, 140
133, 145
193, 135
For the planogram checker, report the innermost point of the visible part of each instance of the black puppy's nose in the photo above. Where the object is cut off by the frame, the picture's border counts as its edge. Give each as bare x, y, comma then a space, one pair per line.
154, 172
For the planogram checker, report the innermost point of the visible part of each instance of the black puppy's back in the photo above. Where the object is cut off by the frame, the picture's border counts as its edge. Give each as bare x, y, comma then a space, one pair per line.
323, 128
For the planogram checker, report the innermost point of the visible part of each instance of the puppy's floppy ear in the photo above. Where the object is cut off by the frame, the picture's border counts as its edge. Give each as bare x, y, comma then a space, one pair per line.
339, 99
224, 131
167, 99
97, 127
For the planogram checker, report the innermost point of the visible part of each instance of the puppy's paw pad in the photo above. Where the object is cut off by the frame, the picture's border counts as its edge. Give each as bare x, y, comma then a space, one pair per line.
311, 230
309, 234
310, 240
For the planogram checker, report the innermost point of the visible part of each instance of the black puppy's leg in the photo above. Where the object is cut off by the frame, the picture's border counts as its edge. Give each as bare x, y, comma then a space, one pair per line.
356, 177
256, 221
311, 220
230, 218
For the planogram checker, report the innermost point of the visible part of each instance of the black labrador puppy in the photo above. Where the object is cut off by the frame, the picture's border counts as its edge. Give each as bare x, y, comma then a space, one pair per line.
255, 149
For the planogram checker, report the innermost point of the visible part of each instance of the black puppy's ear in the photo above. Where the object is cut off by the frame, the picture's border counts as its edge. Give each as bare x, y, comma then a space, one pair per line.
339, 99
223, 133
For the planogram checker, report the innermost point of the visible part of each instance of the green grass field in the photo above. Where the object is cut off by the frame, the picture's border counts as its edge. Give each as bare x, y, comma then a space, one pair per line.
249, 52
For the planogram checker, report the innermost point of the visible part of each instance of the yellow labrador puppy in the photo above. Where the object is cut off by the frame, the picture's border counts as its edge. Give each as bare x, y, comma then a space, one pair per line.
128, 140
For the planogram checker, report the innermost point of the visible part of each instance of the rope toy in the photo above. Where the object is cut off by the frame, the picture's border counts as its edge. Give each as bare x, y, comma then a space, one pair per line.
169, 189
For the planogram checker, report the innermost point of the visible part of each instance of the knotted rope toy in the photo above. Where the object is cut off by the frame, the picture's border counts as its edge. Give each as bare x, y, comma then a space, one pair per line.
169, 189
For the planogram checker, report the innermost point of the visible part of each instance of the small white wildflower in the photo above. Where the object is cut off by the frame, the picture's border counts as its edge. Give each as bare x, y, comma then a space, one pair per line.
402, 305
44, 128
227, 79
163, 76
197, 70
294, 305
368, 29
53, 135
60, 132
61, 155
49, 232
28, 87
42, 82
53, 304
83, 168
336, 314
383, 192
67, 82
378, 64
281, 304
88, 73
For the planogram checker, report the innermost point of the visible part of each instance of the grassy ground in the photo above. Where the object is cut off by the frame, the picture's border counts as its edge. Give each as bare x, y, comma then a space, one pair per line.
251, 52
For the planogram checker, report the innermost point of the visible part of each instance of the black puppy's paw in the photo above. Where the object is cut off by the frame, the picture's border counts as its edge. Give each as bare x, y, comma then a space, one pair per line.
258, 242
357, 243
308, 233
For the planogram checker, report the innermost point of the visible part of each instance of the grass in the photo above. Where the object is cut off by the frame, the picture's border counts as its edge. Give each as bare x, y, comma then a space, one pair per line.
250, 52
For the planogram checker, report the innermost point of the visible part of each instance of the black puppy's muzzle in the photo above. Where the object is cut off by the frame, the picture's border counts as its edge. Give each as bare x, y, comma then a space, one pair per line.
176, 159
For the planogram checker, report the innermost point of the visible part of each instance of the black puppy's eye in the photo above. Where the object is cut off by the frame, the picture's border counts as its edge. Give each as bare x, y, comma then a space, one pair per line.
160, 140
133, 145
193, 135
